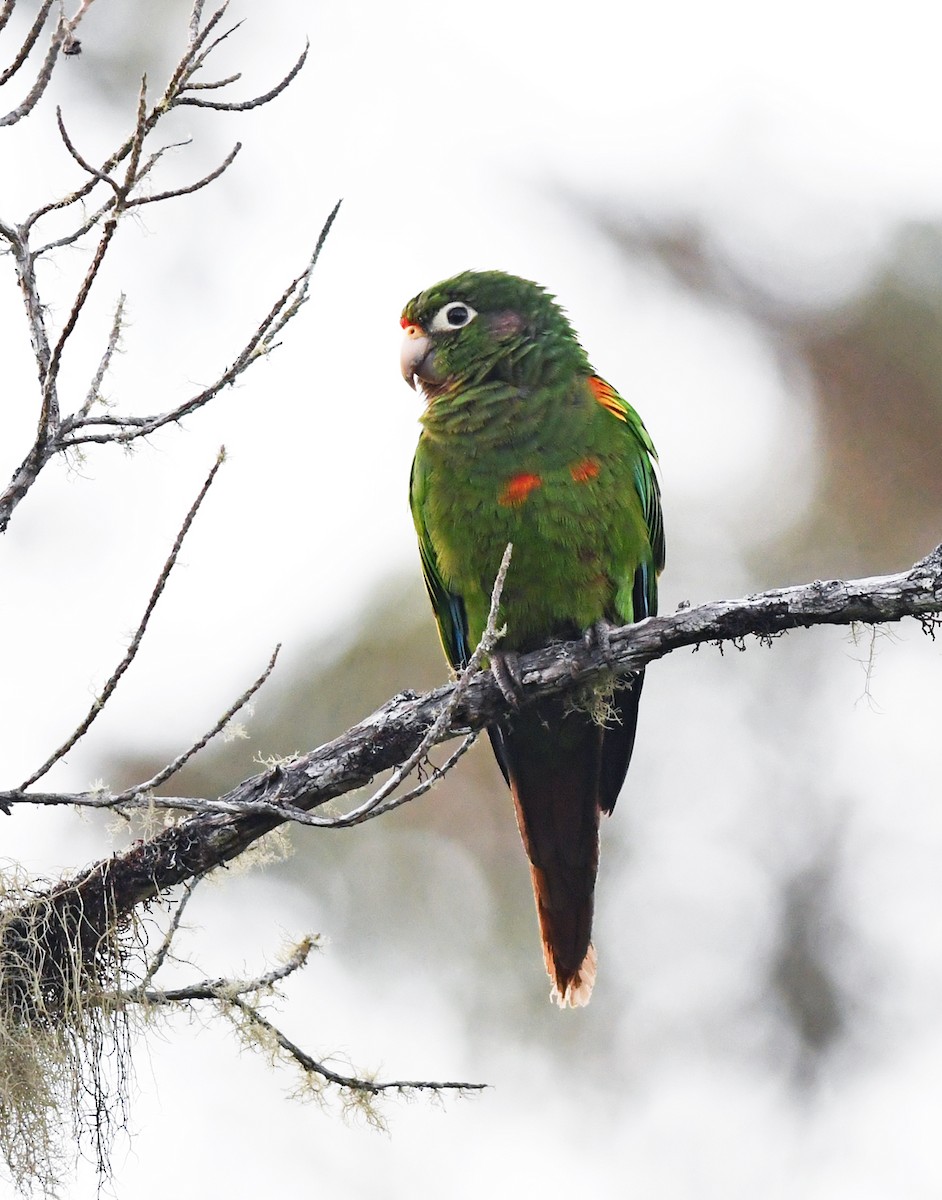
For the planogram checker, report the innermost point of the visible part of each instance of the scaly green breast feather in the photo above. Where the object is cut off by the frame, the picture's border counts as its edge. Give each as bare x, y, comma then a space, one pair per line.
574, 491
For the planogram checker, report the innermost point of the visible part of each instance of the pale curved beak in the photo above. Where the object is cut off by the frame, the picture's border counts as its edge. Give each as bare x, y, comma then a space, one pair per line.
416, 349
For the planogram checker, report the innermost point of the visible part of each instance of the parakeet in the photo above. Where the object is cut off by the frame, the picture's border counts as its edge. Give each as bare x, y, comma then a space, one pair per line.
523, 443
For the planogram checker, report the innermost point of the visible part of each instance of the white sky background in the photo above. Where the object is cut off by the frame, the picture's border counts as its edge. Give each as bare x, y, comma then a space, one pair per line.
455, 133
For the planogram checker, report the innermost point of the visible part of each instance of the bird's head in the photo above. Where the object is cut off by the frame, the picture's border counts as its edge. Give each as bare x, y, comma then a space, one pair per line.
481, 325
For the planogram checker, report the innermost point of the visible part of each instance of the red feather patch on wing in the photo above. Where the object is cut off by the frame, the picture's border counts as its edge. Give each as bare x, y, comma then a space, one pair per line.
607, 397
584, 470
518, 488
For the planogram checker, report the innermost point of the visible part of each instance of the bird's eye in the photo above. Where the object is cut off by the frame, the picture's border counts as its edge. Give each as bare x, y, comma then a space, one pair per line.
452, 316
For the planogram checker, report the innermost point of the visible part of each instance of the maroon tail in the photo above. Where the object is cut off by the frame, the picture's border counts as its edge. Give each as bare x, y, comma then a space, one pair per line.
564, 771
553, 760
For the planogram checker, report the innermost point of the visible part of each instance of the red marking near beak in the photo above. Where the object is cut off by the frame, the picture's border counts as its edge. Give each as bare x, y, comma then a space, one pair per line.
405, 322
517, 489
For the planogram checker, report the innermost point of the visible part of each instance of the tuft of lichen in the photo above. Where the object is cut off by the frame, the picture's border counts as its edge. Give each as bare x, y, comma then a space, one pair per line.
65, 1032
597, 700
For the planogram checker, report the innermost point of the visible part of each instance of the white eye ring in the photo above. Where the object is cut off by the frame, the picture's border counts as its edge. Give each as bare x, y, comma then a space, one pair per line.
454, 315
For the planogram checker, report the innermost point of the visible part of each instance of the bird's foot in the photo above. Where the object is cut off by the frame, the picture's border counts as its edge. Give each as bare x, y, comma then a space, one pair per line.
506, 671
599, 637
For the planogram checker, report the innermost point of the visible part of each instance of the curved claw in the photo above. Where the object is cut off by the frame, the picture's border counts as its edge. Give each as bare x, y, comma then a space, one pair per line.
506, 671
599, 636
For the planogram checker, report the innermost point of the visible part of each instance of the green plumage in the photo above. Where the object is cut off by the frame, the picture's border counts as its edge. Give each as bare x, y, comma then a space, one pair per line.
523, 443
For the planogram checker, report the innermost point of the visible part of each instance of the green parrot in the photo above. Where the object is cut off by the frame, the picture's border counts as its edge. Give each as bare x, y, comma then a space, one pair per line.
523, 443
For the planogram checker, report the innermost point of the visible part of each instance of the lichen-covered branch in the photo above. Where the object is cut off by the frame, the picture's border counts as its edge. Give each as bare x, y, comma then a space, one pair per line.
238, 1000
224, 827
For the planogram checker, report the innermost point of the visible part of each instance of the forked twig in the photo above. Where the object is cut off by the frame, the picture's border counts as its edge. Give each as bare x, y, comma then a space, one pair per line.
229, 995
348, 1082
110, 428
247, 105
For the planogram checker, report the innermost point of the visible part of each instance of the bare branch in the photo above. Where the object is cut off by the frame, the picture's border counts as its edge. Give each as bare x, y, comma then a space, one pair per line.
349, 1082
26, 106
227, 826
76, 431
205, 46
222, 988
196, 15
115, 678
435, 776
29, 43
228, 995
69, 238
190, 62
94, 390
192, 187
82, 162
55, 434
246, 105
215, 84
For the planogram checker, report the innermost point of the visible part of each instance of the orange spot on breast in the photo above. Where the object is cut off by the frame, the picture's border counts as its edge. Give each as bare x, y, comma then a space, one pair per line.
607, 397
517, 489
584, 470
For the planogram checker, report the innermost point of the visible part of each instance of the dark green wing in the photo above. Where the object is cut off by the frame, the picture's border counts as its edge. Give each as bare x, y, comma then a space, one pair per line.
644, 592
447, 606
645, 586
619, 738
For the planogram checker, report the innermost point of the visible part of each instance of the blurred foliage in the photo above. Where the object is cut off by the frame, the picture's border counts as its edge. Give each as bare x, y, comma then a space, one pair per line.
875, 366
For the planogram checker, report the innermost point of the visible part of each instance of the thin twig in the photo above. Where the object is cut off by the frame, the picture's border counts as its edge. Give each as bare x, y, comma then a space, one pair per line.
77, 431
86, 166
63, 38
246, 105
28, 44
435, 776
171, 768
172, 193
115, 678
159, 956
228, 994
196, 15
69, 239
223, 988
213, 85
209, 46
94, 390
33, 96
49, 419
349, 1082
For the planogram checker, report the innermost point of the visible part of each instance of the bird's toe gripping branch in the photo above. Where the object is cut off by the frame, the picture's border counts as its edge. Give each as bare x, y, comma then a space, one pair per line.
505, 667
